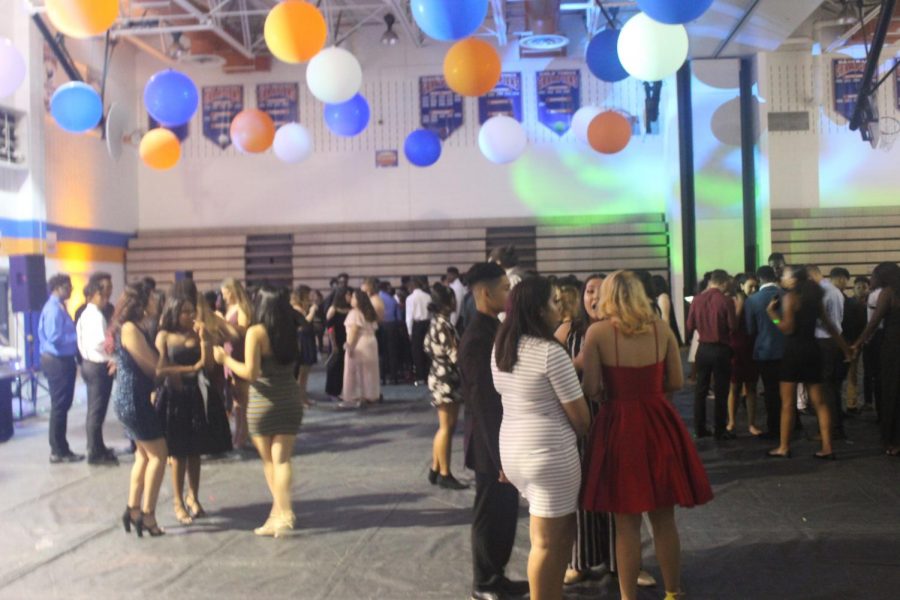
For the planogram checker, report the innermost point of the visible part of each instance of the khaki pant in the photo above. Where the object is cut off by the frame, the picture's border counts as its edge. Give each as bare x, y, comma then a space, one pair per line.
853, 382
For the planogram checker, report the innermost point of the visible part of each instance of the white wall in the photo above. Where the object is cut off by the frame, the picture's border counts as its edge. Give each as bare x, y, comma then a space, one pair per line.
212, 188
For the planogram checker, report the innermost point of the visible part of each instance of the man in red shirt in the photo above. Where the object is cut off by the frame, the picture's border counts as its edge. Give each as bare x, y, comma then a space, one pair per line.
713, 317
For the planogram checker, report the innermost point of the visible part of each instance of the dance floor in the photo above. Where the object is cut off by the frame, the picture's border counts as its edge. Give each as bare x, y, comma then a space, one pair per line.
370, 526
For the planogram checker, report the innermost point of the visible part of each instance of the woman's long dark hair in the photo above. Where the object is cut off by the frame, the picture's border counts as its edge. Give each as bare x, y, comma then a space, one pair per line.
130, 308
443, 300
808, 291
523, 317
272, 309
886, 274
365, 306
171, 313
339, 300
582, 320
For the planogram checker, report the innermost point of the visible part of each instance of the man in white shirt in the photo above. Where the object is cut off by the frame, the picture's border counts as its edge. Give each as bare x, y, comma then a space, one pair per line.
832, 357
417, 321
96, 367
459, 290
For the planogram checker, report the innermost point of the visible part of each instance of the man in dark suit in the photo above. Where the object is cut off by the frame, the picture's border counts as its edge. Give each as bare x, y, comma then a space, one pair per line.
496, 509
768, 348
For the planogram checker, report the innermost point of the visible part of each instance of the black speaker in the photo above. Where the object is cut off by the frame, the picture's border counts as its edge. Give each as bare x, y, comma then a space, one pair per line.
27, 282
179, 275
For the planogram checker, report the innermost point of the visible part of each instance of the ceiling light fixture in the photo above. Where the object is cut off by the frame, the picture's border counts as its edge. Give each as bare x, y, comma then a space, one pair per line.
390, 38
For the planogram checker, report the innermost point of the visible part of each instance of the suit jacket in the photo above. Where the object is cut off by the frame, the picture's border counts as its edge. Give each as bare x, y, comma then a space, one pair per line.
484, 411
769, 343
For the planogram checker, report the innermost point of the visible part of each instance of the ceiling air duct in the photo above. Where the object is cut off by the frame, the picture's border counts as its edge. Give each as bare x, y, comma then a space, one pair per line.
543, 37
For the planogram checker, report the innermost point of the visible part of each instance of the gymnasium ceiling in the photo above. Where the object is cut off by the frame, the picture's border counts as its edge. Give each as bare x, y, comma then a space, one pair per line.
228, 33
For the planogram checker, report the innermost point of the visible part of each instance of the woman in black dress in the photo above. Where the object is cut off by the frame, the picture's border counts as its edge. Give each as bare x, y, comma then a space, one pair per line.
307, 311
192, 411
135, 373
887, 309
663, 295
334, 320
801, 308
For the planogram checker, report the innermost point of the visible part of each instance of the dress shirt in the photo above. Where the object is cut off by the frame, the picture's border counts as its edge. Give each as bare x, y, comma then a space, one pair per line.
91, 330
871, 305
417, 308
713, 316
834, 308
459, 290
514, 276
484, 407
391, 307
56, 329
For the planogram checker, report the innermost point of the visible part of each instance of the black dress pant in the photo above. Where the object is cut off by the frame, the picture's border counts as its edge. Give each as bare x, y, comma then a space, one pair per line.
393, 333
60, 372
99, 387
713, 362
768, 372
872, 370
495, 518
832, 377
420, 359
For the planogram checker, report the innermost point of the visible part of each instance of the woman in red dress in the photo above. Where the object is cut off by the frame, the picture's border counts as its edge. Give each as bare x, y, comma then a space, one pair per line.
641, 459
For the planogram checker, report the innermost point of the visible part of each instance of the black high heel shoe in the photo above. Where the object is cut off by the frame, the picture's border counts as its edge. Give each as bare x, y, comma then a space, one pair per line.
153, 530
127, 521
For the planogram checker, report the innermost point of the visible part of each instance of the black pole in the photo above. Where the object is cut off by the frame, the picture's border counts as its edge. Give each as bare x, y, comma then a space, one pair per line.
67, 66
863, 107
748, 165
688, 201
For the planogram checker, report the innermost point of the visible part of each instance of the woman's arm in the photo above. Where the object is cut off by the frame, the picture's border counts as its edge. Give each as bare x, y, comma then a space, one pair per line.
785, 323
834, 333
163, 367
248, 370
311, 313
592, 377
674, 370
881, 310
579, 416
665, 306
353, 335
136, 345
562, 332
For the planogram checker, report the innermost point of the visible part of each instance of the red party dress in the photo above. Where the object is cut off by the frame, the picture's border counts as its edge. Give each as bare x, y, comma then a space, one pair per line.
641, 457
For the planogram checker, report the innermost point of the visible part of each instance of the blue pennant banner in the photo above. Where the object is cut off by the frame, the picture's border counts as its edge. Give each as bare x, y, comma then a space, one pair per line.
221, 104
559, 98
442, 108
280, 101
504, 99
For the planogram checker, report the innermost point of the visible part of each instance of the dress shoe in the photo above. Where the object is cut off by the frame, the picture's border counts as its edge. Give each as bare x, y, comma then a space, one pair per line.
433, 476
725, 436
103, 460
514, 589
69, 457
449, 482
486, 594
702, 433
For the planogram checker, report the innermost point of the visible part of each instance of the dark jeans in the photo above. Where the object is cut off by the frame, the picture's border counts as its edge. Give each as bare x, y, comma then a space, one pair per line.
393, 333
832, 377
99, 386
496, 515
417, 341
768, 372
60, 372
872, 370
713, 361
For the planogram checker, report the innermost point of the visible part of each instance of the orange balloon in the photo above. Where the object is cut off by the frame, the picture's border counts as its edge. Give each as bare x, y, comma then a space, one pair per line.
82, 18
609, 132
253, 131
472, 67
160, 149
295, 31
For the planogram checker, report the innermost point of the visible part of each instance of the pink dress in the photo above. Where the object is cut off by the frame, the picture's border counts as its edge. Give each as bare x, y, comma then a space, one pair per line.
362, 379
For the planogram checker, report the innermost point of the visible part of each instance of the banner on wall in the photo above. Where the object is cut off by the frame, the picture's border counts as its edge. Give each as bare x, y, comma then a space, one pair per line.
504, 99
897, 82
559, 97
848, 76
441, 108
221, 104
280, 101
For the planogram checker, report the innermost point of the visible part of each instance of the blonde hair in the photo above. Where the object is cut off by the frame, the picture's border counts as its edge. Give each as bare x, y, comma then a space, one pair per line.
568, 302
623, 300
240, 296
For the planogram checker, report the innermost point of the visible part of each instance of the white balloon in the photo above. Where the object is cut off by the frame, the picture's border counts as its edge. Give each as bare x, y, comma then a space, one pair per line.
502, 139
292, 144
334, 75
581, 120
12, 68
651, 51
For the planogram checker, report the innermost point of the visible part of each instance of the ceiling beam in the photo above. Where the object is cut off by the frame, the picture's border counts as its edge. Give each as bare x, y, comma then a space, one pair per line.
734, 30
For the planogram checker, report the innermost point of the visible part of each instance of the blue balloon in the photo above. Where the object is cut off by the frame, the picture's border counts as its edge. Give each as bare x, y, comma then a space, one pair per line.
674, 12
76, 107
348, 118
447, 20
171, 98
422, 148
603, 57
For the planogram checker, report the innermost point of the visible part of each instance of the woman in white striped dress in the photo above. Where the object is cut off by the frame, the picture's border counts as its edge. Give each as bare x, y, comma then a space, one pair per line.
544, 413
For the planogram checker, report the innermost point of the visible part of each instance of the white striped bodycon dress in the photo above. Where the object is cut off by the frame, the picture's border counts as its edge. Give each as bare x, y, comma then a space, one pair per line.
538, 448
